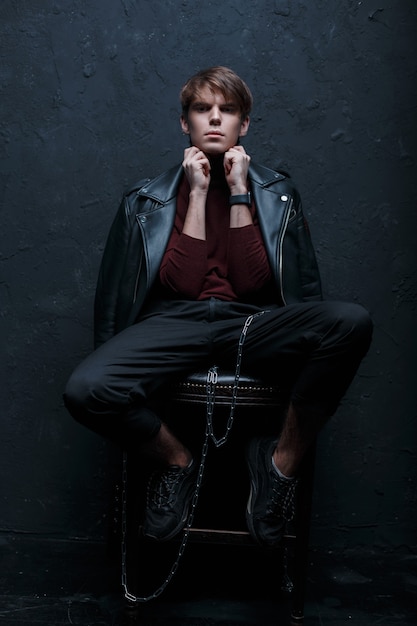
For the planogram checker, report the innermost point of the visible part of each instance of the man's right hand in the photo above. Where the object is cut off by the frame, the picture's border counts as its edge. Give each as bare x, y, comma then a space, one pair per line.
197, 169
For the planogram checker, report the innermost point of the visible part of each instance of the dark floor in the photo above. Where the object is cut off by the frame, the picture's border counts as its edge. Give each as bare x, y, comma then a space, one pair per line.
50, 582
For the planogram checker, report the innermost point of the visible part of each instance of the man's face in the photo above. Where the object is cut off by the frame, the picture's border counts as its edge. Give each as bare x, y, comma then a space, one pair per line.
213, 123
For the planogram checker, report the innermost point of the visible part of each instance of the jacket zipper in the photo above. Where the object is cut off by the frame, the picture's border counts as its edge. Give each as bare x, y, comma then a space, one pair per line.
135, 291
281, 240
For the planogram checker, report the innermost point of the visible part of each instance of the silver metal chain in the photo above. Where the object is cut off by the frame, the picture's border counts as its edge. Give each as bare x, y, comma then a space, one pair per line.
212, 377
211, 387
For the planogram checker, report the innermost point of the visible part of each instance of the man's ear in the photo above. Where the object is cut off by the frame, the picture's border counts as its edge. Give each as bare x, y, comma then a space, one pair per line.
244, 127
184, 125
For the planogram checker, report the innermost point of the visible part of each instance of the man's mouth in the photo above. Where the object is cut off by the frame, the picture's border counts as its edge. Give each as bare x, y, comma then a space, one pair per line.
217, 133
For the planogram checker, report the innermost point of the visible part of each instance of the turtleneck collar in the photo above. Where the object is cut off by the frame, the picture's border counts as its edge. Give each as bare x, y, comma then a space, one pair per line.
217, 177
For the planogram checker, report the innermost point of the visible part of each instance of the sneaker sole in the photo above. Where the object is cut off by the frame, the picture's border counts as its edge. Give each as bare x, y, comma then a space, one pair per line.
251, 457
253, 452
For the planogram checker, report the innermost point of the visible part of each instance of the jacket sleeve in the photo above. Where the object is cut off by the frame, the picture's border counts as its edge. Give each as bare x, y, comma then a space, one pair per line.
110, 274
307, 261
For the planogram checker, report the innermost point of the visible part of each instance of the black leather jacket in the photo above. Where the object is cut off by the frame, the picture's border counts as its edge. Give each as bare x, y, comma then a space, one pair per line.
142, 227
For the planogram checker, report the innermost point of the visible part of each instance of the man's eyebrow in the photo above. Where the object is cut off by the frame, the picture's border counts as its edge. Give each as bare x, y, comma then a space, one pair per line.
206, 103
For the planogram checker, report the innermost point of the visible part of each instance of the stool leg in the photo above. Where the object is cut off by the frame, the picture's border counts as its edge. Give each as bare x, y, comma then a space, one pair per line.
302, 527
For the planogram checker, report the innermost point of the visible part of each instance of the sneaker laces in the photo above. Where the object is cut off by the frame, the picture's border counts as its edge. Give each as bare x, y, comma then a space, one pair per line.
161, 486
282, 501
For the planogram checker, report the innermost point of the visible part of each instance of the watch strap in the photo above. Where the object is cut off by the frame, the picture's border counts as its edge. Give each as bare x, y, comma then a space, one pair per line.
243, 198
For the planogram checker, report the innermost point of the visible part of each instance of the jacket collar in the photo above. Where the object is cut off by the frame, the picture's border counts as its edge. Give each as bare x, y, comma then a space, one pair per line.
262, 175
163, 188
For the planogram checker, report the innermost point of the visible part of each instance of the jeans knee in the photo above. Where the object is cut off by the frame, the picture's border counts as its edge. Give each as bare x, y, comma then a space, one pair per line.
357, 323
361, 320
77, 394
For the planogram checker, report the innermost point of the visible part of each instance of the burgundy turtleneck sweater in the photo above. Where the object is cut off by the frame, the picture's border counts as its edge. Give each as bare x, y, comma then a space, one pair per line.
230, 264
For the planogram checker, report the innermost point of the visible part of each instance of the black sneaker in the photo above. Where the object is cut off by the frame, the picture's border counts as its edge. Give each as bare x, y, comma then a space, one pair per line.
271, 504
168, 498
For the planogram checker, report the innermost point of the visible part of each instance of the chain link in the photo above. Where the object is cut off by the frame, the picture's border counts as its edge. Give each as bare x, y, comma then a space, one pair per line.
212, 378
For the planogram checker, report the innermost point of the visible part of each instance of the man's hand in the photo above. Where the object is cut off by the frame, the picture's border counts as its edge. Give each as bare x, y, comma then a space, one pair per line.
197, 169
236, 165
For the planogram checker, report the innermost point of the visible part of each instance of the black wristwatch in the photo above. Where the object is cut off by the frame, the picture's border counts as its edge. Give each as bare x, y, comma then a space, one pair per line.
243, 198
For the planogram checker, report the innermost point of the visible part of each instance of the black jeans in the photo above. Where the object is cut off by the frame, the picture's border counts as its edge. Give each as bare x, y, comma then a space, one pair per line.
316, 347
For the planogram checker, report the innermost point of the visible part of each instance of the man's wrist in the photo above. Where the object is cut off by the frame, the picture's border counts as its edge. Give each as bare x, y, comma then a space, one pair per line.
238, 189
241, 198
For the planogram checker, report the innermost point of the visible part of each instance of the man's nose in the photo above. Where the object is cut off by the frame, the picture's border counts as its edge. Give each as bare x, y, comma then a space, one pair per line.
215, 115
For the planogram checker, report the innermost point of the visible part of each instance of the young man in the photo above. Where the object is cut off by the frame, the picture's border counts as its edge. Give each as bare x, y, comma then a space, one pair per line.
190, 256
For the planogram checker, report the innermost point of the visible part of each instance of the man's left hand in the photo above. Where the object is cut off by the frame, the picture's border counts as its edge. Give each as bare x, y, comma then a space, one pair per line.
236, 166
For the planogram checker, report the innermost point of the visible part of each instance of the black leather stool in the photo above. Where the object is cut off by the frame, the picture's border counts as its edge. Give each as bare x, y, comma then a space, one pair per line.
256, 409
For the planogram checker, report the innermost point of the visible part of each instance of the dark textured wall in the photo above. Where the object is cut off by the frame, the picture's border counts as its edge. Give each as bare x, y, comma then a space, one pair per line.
89, 104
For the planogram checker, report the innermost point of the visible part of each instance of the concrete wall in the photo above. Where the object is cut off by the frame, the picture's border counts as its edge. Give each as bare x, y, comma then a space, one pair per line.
89, 104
